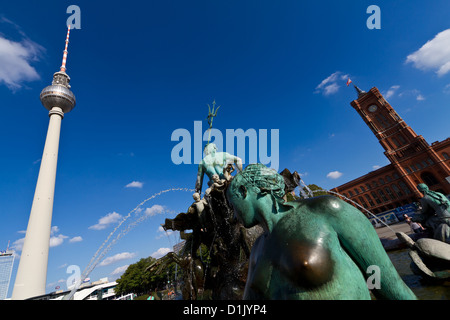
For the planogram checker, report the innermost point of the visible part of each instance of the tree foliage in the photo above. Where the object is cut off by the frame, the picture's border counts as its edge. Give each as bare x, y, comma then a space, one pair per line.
137, 280
316, 189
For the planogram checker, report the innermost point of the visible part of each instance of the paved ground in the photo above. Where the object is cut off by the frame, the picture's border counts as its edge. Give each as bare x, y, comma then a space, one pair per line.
390, 240
387, 233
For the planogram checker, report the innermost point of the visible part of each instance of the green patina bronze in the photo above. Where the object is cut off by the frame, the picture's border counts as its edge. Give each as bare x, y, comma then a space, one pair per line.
214, 163
435, 213
318, 248
435, 197
211, 115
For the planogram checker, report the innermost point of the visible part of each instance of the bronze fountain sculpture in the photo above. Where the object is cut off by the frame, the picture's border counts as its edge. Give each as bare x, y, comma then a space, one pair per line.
262, 246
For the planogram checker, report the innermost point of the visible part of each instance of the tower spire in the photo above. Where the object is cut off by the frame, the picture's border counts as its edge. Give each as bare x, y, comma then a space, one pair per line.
359, 91
63, 65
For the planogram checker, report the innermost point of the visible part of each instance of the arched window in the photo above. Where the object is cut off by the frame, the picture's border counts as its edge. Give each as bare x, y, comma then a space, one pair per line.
389, 193
382, 120
429, 179
402, 139
361, 199
396, 142
369, 199
404, 187
374, 195
445, 155
381, 193
397, 190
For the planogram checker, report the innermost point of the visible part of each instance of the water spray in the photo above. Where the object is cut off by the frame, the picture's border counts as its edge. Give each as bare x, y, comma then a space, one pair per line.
99, 256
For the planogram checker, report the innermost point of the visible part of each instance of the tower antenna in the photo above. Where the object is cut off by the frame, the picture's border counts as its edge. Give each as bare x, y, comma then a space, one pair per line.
63, 65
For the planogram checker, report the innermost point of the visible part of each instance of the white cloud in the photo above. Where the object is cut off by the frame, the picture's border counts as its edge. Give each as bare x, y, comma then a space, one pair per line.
76, 239
57, 240
135, 184
331, 89
330, 84
447, 89
16, 56
414, 92
433, 55
120, 270
116, 258
18, 244
391, 91
106, 221
161, 233
302, 175
154, 210
334, 175
160, 253
420, 97
376, 167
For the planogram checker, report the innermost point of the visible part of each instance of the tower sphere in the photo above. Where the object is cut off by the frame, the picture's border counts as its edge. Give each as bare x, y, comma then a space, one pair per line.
58, 93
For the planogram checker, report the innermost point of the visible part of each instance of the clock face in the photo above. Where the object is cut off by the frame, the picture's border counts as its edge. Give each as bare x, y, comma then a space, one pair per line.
373, 108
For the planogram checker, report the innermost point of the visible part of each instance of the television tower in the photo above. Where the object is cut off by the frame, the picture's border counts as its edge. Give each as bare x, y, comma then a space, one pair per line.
32, 272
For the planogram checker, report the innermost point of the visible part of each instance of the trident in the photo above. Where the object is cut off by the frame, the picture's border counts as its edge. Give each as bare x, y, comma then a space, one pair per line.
210, 118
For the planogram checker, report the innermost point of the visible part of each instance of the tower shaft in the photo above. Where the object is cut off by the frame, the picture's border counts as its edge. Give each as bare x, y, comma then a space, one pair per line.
32, 272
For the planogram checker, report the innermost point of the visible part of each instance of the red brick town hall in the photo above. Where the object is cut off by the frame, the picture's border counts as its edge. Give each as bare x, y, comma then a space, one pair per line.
412, 159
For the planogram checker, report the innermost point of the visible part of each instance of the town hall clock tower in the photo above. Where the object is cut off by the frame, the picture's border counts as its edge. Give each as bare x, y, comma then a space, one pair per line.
403, 147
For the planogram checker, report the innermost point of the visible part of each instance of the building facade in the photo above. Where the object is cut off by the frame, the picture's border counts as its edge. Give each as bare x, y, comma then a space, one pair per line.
412, 159
6, 266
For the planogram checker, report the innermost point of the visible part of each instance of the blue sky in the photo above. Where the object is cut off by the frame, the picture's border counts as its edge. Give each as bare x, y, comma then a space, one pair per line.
141, 70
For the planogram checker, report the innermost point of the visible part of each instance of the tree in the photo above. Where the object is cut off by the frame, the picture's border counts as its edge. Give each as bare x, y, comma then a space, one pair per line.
316, 190
135, 279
